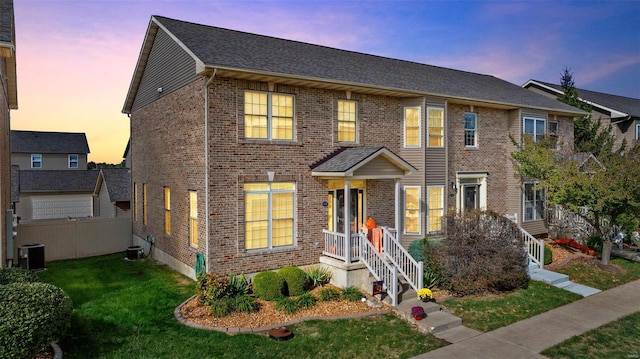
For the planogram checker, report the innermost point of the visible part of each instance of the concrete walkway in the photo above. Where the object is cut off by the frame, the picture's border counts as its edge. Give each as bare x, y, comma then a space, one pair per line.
527, 338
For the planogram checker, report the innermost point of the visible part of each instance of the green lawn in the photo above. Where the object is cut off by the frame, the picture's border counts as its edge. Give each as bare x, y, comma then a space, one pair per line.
124, 309
591, 276
619, 339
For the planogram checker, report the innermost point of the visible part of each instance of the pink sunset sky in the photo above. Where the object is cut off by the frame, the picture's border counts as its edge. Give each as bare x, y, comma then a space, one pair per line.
76, 58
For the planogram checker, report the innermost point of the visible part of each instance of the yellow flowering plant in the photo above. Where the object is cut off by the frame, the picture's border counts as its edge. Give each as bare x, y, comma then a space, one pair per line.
425, 294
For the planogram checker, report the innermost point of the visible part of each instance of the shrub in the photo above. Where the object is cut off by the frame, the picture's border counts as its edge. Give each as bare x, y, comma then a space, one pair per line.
432, 278
296, 280
238, 285
328, 294
268, 286
352, 294
416, 249
245, 304
548, 255
287, 305
483, 252
17, 275
221, 307
307, 300
595, 242
33, 315
319, 276
210, 287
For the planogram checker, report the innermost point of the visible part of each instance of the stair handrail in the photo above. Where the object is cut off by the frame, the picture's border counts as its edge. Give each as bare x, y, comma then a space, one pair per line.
380, 268
408, 267
534, 246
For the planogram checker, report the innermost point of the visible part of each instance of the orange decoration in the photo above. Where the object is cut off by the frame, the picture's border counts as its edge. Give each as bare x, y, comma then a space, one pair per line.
370, 223
572, 243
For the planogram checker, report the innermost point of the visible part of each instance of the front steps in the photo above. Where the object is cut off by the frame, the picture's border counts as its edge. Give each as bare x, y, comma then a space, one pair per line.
560, 281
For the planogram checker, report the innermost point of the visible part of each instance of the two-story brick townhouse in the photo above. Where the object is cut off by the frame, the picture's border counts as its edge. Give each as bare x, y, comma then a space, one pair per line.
53, 176
623, 113
8, 87
250, 149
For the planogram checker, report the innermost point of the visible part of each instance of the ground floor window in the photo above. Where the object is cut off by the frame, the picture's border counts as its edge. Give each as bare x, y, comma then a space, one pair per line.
269, 214
435, 202
193, 218
534, 202
412, 209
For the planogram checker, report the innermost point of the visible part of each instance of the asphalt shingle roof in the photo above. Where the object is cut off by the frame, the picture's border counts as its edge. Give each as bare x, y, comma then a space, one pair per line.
230, 49
6, 21
58, 181
118, 182
48, 142
624, 104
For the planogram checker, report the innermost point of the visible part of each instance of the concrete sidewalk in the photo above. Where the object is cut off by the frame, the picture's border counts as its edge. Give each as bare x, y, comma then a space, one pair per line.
527, 338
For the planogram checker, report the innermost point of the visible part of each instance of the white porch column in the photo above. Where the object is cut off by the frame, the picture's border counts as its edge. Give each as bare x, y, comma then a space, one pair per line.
347, 221
398, 203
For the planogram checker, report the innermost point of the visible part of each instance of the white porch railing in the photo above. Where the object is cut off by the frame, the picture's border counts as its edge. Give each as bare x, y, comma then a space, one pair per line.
575, 224
410, 269
334, 245
380, 268
534, 246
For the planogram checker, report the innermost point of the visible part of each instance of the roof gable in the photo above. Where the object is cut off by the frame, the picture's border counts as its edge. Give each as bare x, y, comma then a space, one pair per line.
48, 142
235, 52
118, 183
363, 162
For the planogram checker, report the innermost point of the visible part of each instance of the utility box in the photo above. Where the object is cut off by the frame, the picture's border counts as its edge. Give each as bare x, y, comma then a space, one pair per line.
31, 256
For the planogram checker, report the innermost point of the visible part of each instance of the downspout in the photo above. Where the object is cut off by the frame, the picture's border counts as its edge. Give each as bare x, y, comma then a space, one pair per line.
206, 172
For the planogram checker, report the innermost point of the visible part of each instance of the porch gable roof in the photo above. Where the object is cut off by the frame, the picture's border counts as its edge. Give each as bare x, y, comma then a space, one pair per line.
363, 163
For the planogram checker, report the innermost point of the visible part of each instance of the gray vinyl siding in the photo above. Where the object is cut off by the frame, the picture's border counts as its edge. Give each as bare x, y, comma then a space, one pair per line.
526, 112
168, 67
514, 183
436, 158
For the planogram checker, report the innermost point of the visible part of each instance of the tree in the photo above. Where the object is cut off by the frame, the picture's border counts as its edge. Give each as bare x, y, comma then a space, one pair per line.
604, 196
92, 165
589, 135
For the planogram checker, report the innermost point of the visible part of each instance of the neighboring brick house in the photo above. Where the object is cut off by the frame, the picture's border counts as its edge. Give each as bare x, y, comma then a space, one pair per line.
623, 113
112, 193
54, 180
9, 101
243, 146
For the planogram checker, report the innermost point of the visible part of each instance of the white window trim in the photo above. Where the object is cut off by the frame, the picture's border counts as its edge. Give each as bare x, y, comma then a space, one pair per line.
475, 131
481, 179
524, 203
270, 193
404, 202
429, 208
404, 114
444, 135
33, 155
77, 161
270, 118
535, 119
357, 134
638, 131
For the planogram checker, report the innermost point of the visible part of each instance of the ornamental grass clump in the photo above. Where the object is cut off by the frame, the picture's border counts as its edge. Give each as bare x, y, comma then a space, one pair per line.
318, 276
352, 294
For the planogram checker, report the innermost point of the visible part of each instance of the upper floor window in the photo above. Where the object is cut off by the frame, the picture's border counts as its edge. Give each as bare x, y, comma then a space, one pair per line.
435, 131
347, 121
269, 214
534, 202
535, 127
412, 136
268, 116
470, 130
412, 209
36, 160
73, 161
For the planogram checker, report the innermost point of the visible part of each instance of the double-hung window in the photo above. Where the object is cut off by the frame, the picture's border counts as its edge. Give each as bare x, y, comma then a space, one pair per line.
534, 202
435, 131
36, 160
269, 214
268, 116
470, 130
135, 202
435, 201
535, 127
144, 204
412, 136
347, 121
73, 161
167, 210
412, 209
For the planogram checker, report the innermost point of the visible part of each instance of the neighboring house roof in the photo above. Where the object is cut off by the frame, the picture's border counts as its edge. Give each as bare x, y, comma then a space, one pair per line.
260, 58
58, 181
619, 106
8, 50
586, 160
15, 183
48, 142
117, 182
347, 161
